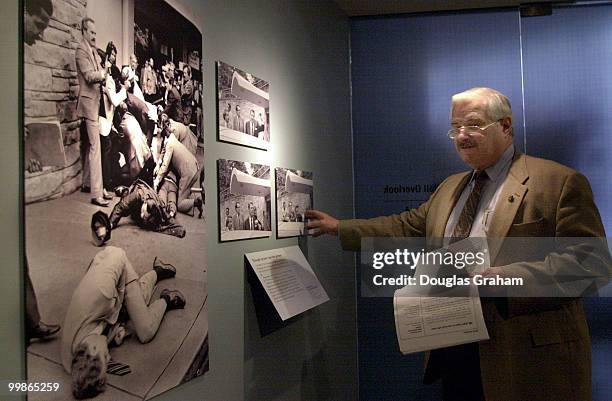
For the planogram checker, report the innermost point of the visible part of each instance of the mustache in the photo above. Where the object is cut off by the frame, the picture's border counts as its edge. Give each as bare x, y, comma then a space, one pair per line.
466, 144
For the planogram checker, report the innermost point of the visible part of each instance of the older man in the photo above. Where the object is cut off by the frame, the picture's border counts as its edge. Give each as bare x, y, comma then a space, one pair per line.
90, 75
539, 347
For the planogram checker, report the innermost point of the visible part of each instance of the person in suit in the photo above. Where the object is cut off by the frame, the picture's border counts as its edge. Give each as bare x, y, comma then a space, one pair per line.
229, 225
168, 190
539, 348
111, 98
110, 283
237, 220
187, 95
238, 121
298, 215
252, 222
172, 97
177, 158
266, 221
90, 76
227, 115
251, 125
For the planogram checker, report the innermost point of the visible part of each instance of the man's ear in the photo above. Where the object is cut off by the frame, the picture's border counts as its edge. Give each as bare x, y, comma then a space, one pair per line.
506, 123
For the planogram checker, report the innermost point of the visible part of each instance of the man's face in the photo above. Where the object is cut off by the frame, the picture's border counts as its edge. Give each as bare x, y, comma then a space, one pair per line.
227, 211
252, 113
89, 33
238, 110
112, 58
186, 74
481, 150
237, 208
34, 25
253, 211
133, 62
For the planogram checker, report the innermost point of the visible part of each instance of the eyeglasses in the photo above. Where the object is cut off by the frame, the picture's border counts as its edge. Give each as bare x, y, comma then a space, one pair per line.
469, 130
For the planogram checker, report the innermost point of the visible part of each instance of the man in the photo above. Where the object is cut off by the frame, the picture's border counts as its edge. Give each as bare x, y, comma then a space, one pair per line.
539, 347
238, 121
187, 95
298, 215
90, 75
146, 209
227, 115
172, 97
36, 19
266, 221
284, 212
139, 151
169, 188
134, 66
291, 212
111, 98
176, 158
252, 222
137, 106
109, 284
229, 226
149, 81
251, 125
237, 220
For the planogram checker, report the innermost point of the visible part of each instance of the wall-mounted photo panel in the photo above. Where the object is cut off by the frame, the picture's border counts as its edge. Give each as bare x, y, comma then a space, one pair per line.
244, 200
294, 195
115, 254
243, 107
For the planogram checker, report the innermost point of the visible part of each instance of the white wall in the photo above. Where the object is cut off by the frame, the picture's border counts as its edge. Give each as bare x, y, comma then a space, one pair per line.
108, 15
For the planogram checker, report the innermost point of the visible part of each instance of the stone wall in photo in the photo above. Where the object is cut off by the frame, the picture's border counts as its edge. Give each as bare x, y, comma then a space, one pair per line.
50, 94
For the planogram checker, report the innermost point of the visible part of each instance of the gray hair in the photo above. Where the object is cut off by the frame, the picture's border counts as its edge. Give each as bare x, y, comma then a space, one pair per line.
498, 105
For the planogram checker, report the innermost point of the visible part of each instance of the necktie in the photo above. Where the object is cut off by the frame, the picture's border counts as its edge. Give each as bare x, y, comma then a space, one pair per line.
466, 218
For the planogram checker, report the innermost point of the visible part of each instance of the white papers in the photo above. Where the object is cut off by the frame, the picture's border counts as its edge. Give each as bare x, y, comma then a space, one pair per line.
288, 279
428, 322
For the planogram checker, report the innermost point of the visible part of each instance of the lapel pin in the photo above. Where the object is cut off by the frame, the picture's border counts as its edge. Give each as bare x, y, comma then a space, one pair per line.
511, 198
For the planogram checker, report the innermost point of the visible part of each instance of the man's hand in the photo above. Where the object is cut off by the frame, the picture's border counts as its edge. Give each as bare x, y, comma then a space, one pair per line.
323, 222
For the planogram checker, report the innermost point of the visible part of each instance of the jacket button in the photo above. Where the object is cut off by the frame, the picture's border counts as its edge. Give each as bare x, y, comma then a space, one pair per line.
511, 198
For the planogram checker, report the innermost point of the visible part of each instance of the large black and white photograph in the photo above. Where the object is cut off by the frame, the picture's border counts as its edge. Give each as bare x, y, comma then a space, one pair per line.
243, 107
244, 191
115, 236
294, 196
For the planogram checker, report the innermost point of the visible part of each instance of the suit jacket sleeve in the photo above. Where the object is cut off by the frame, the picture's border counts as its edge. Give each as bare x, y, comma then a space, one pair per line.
411, 223
90, 74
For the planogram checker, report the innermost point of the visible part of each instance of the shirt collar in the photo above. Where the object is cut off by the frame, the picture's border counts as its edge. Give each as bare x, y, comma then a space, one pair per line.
503, 163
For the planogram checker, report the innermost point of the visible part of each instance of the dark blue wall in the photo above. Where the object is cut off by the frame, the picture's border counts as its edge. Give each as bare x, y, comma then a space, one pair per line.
404, 70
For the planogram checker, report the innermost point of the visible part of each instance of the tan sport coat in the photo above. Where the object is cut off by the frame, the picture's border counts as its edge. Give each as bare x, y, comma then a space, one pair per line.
539, 348
90, 74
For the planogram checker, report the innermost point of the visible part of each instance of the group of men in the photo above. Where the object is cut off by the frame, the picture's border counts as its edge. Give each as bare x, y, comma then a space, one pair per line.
111, 301
251, 222
292, 213
252, 126
159, 149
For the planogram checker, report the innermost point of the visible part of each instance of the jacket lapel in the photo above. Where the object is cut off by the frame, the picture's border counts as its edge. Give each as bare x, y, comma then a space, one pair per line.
510, 199
448, 197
